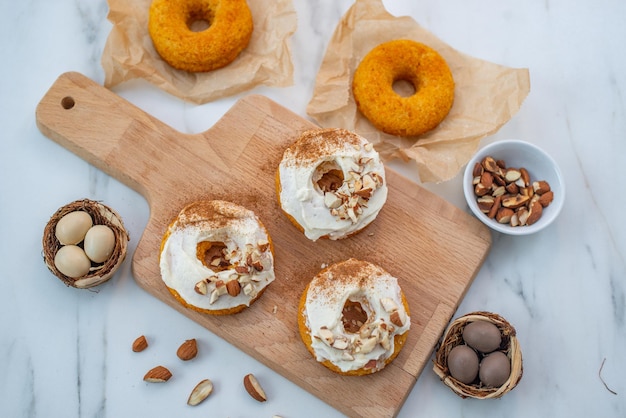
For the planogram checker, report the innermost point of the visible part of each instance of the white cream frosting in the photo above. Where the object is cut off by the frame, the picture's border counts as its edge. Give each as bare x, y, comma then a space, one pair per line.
380, 297
246, 243
315, 211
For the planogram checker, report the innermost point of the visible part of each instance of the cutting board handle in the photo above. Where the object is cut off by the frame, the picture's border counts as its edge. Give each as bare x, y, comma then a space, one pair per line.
104, 129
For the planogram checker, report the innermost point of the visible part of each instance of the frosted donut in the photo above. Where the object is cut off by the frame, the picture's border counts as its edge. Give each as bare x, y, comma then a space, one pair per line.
229, 32
353, 317
416, 63
216, 257
331, 183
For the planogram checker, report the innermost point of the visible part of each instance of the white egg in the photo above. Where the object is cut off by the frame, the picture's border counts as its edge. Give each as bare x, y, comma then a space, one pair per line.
72, 227
72, 261
99, 243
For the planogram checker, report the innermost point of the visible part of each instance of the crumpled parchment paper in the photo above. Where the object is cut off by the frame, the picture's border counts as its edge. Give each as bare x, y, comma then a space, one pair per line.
129, 54
487, 95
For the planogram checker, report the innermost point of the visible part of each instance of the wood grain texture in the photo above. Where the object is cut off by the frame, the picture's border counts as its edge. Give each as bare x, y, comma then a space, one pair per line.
434, 248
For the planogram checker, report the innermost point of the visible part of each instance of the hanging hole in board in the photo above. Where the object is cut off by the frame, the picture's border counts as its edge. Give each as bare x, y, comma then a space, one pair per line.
67, 102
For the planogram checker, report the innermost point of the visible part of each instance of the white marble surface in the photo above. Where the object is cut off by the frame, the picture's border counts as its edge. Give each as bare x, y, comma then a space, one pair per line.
66, 353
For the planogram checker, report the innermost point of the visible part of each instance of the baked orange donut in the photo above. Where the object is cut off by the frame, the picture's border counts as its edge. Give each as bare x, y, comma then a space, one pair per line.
229, 32
416, 63
216, 257
331, 183
353, 317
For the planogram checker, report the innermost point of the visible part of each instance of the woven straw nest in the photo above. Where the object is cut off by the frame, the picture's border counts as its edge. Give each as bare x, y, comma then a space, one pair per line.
453, 337
101, 215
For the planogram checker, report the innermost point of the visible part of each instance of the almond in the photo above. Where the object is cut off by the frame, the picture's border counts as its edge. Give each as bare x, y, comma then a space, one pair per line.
340, 344
372, 364
522, 215
546, 198
504, 215
486, 179
478, 169
201, 287
541, 187
497, 204
159, 374
498, 180
485, 203
490, 165
233, 288
388, 305
498, 191
511, 175
481, 190
512, 188
396, 319
242, 269
140, 344
515, 202
525, 176
253, 387
187, 350
535, 213
200, 392
263, 245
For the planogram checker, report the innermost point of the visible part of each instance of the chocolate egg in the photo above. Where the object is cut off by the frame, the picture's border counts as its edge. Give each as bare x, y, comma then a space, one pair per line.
483, 336
495, 369
463, 364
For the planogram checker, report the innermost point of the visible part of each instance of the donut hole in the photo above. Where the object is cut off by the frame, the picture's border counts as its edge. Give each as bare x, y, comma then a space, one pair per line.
404, 87
213, 255
353, 316
199, 18
327, 177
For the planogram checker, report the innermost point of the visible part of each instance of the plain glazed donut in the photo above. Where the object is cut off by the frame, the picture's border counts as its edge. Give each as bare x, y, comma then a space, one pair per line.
353, 317
331, 183
229, 32
416, 63
216, 257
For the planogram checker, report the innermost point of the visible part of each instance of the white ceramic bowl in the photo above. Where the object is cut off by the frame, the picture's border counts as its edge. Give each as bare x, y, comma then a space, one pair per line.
540, 166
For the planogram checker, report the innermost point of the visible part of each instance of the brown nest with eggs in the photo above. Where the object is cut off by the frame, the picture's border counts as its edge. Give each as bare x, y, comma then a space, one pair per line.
453, 336
101, 215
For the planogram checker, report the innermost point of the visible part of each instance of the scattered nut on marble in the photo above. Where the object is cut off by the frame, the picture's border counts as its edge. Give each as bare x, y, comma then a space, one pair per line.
159, 374
253, 387
508, 194
140, 344
187, 350
200, 392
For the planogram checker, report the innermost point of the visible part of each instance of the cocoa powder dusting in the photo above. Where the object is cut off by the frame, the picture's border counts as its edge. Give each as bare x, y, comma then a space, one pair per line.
214, 213
348, 271
315, 143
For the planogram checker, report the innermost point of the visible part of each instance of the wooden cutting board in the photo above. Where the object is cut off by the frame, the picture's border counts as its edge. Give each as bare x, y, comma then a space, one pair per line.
434, 248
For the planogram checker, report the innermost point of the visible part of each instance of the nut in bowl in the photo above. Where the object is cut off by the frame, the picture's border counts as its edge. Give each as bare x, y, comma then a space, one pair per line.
514, 187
